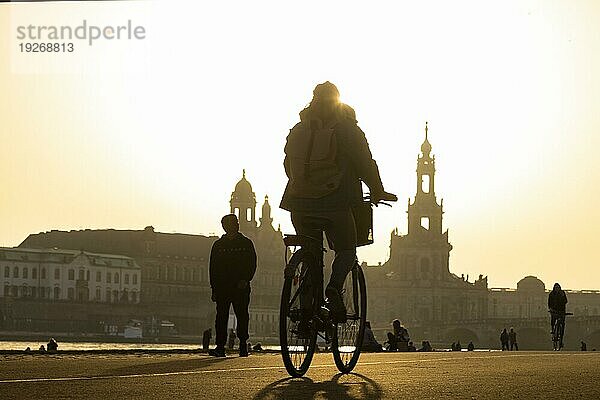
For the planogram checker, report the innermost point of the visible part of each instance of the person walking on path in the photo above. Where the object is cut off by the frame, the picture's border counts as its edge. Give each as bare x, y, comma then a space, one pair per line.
232, 266
504, 339
512, 339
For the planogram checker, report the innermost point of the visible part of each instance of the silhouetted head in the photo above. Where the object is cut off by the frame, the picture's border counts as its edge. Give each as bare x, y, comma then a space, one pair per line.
556, 287
390, 335
325, 101
511, 329
230, 224
396, 324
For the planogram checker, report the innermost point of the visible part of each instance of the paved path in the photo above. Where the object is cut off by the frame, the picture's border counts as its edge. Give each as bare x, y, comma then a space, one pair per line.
478, 375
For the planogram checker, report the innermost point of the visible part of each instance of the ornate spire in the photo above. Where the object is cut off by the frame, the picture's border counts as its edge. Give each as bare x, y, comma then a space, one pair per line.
266, 219
426, 146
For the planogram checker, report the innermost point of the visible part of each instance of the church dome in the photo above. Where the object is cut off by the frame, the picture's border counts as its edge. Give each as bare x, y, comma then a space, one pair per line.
531, 284
243, 194
243, 186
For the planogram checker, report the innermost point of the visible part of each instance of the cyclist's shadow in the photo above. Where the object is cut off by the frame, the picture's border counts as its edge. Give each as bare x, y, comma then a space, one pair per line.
350, 386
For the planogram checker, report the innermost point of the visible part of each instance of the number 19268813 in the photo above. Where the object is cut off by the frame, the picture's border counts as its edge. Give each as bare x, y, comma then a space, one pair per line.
46, 47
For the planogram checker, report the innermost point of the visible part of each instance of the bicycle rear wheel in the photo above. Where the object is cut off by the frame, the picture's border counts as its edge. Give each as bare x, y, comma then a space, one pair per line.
298, 304
348, 337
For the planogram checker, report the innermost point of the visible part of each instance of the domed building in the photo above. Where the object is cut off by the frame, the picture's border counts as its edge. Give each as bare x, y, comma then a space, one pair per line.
270, 250
530, 299
243, 204
531, 284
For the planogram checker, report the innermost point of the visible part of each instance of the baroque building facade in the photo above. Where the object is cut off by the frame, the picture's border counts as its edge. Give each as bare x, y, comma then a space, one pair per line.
71, 275
174, 280
530, 300
270, 250
416, 285
168, 276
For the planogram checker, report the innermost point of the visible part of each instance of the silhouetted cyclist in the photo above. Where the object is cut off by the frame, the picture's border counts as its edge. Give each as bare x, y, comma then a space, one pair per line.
557, 301
326, 158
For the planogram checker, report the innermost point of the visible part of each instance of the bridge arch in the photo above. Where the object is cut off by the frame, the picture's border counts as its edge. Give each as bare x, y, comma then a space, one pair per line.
533, 338
593, 340
464, 335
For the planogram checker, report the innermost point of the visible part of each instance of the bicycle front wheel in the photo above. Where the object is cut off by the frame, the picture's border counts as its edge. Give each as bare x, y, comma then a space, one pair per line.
297, 331
348, 336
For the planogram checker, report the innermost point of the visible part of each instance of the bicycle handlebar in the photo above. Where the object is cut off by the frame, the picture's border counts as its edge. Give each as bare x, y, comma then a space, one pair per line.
378, 202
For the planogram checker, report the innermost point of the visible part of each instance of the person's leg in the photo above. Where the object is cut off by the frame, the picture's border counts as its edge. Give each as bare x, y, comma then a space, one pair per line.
341, 233
562, 330
223, 305
240, 307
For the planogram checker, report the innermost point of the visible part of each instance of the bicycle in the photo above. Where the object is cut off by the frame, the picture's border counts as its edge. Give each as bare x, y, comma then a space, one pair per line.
558, 329
303, 315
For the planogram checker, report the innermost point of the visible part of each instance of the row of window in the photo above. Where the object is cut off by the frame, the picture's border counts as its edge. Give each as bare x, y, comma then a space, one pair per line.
82, 275
112, 296
177, 274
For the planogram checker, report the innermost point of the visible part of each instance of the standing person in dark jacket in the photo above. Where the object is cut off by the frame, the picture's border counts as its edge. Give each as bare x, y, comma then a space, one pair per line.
504, 339
512, 339
326, 158
557, 301
232, 267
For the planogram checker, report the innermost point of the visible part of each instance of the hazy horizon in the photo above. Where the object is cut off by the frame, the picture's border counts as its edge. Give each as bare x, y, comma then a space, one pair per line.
126, 135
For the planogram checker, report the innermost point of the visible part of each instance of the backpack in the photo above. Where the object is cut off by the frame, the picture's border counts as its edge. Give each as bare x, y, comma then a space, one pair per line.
311, 152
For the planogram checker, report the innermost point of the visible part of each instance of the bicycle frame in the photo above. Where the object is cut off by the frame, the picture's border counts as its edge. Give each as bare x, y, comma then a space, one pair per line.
558, 328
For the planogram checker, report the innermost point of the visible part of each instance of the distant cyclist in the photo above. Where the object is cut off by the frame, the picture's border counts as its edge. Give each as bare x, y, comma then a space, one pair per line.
326, 158
557, 301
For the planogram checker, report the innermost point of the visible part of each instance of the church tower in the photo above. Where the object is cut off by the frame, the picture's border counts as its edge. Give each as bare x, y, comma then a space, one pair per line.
423, 254
425, 214
266, 222
243, 204
416, 284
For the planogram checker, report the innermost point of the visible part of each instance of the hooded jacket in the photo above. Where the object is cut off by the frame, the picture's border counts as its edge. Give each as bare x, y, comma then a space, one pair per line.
354, 160
557, 300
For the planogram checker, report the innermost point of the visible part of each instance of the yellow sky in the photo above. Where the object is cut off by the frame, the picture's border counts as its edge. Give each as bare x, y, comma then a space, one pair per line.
156, 132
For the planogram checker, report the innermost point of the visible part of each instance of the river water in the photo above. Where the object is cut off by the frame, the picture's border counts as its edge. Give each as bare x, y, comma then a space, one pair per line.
35, 345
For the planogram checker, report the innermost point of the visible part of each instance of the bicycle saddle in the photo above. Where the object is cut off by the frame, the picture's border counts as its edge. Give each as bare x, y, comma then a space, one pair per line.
300, 240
